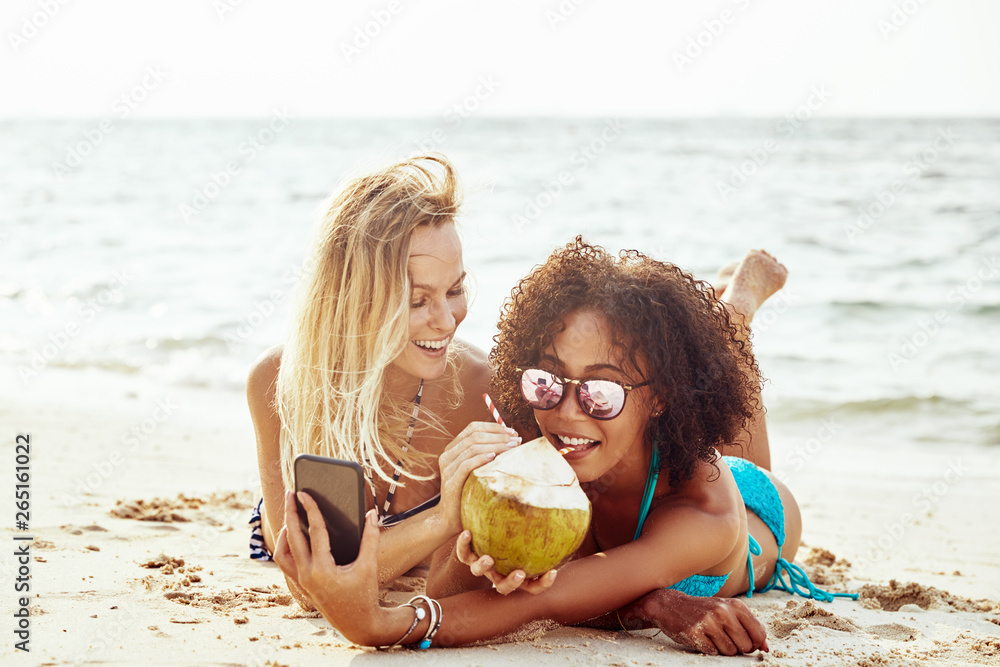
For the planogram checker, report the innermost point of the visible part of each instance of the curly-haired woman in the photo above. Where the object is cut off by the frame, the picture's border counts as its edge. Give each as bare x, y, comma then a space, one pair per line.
678, 381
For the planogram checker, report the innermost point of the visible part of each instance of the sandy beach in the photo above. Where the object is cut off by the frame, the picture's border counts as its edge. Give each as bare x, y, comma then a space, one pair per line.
141, 493
164, 166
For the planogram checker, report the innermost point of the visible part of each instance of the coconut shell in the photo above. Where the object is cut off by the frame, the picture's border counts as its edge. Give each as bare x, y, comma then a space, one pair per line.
525, 509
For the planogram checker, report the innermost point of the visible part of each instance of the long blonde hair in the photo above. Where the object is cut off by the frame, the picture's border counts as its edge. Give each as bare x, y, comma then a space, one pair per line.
351, 320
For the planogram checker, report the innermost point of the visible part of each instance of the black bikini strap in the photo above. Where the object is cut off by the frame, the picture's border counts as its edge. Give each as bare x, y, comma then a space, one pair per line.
384, 512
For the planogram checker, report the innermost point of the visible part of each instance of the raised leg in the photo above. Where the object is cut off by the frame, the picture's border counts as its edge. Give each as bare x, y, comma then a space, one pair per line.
745, 287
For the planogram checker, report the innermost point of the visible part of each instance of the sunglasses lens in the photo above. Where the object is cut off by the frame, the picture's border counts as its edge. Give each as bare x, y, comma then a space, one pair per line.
602, 399
541, 389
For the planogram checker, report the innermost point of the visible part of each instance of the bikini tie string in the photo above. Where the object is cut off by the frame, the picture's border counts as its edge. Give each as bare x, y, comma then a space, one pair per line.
798, 583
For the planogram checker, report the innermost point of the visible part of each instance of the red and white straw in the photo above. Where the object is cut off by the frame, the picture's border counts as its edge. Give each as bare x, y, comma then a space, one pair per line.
493, 409
496, 415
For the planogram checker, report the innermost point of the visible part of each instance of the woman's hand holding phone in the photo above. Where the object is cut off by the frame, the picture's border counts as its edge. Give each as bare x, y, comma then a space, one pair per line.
347, 595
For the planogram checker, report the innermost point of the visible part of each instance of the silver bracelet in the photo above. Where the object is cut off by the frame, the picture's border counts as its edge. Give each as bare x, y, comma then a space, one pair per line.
437, 615
417, 617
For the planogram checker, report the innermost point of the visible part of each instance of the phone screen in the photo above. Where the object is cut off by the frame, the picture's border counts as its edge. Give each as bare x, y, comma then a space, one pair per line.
338, 488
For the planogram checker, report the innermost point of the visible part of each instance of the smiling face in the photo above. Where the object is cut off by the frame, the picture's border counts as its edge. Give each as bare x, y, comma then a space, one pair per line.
585, 350
438, 302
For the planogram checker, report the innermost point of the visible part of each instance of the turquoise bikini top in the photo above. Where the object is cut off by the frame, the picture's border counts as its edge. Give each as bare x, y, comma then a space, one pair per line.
697, 585
760, 497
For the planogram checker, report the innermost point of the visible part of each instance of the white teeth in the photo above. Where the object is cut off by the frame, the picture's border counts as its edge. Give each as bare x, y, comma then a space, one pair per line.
431, 344
575, 442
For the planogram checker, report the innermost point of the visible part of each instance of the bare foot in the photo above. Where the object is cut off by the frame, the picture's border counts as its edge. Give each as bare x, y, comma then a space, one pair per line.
758, 276
724, 276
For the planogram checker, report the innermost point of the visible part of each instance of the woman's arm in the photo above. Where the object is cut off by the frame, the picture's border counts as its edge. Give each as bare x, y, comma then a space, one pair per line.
448, 576
709, 625
675, 544
456, 569
261, 385
410, 542
403, 547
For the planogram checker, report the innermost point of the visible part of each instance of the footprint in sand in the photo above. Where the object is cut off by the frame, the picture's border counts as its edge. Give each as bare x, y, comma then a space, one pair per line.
184, 508
896, 596
895, 631
80, 530
801, 614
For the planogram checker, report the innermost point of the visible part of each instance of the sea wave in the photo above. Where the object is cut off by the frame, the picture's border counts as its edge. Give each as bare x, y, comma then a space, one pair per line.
200, 308
812, 408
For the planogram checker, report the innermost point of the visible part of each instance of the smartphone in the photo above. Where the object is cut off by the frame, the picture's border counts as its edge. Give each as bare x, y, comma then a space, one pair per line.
338, 488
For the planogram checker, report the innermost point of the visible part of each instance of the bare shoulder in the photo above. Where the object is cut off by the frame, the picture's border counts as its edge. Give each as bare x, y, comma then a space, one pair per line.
474, 373
710, 495
474, 370
262, 380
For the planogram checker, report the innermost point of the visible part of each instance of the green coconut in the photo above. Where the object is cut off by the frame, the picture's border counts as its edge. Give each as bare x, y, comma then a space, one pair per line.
525, 509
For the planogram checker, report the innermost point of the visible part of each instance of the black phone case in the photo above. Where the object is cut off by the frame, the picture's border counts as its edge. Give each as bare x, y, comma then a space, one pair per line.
338, 488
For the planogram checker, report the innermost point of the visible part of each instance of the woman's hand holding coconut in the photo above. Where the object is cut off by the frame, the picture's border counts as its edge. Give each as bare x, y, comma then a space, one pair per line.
477, 444
463, 456
483, 566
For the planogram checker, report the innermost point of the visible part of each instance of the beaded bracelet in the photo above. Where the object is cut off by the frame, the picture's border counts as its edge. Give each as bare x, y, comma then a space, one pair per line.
426, 643
417, 617
436, 616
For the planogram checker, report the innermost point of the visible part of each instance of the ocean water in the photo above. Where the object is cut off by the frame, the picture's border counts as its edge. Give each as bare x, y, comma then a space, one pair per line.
166, 251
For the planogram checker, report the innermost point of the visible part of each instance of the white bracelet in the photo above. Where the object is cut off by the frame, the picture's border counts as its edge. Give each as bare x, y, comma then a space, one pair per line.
436, 617
417, 617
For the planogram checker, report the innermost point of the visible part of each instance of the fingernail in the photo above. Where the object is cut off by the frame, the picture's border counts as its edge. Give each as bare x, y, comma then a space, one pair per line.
519, 576
511, 431
514, 443
491, 455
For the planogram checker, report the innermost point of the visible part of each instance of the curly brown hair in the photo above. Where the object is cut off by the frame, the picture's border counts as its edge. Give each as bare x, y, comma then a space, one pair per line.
693, 351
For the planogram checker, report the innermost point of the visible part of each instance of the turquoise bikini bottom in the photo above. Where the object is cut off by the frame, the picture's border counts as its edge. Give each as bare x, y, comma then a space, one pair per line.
761, 498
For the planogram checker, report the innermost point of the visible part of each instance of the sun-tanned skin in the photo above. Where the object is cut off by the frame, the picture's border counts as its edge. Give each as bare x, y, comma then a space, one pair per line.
698, 526
743, 287
711, 626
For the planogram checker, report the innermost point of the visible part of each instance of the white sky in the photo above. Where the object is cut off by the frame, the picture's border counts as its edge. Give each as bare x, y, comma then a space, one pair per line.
606, 57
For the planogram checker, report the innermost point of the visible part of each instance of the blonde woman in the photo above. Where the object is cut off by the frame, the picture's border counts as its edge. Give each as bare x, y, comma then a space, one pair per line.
372, 371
